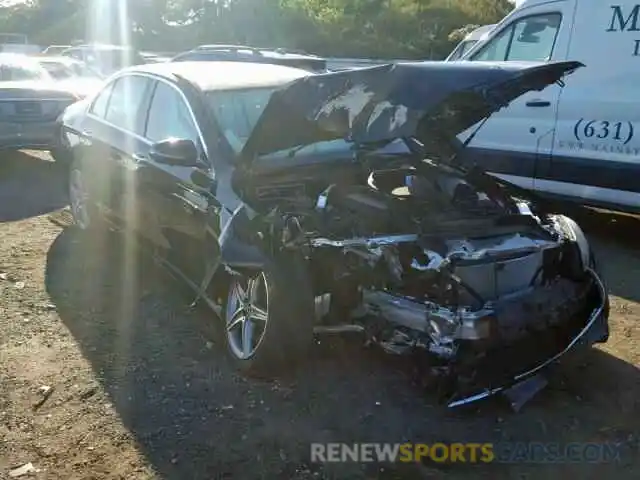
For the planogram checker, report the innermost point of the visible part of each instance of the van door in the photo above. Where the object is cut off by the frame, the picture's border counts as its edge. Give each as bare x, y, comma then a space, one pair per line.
596, 151
517, 141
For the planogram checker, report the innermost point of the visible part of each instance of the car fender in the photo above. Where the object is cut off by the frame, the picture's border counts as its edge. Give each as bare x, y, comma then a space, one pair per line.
239, 241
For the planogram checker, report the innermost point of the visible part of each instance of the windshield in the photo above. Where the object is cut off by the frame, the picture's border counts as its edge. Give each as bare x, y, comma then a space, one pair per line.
64, 71
59, 71
17, 72
238, 111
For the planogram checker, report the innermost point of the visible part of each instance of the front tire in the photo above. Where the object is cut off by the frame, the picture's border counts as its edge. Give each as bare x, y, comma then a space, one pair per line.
269, 317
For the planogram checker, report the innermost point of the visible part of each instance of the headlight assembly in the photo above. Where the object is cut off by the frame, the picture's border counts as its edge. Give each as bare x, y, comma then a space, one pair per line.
570, 230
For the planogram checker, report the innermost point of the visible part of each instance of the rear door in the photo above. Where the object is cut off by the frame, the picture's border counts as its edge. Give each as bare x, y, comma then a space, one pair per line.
175, 207
516, 142
115, 135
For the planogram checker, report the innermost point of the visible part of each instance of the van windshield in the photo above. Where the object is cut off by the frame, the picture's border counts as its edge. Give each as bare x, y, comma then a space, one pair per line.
462, 48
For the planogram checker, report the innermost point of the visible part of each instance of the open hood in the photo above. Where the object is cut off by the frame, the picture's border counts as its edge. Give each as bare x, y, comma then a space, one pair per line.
432, 102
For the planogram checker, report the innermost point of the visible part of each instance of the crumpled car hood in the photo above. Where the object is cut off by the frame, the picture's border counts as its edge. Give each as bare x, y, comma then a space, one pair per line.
425, 101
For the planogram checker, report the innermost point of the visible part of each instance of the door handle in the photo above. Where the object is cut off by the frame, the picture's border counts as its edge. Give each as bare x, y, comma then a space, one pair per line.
538, 103
138, 157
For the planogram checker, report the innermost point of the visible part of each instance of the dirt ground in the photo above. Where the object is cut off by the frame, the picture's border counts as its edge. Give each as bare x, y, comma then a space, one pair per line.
105, 372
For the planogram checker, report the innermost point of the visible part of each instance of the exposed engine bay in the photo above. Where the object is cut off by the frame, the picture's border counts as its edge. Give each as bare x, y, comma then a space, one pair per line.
481, 272
423, 254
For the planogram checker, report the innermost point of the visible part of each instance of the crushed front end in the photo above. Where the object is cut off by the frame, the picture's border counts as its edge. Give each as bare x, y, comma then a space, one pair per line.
487, 313
403, 244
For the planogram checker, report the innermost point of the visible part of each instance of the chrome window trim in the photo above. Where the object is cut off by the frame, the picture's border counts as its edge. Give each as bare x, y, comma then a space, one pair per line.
142, 138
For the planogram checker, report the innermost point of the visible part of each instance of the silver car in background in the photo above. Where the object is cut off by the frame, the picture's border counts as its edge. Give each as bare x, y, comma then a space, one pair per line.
30, 102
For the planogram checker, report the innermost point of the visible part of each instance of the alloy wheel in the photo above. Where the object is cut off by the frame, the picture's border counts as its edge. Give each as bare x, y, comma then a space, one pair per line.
247, 315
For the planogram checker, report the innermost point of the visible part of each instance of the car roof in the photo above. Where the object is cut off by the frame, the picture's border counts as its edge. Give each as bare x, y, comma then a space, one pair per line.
57, 59
224, 75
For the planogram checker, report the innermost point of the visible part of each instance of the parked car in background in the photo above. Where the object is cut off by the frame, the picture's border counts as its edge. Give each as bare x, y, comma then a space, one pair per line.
55, 49
469, 41
76, 74
104, 58
152, 57
241, 53
261, 204
17, 43
30, 103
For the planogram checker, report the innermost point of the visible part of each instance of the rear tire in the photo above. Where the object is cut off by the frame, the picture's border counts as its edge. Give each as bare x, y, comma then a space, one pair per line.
269, 317
86, 218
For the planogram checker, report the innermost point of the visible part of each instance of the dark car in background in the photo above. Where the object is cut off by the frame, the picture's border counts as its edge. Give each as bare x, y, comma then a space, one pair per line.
302, 203
241, 53
104, 58
30, 103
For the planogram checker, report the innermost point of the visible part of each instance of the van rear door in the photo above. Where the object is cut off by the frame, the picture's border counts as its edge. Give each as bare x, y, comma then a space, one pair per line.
516, 142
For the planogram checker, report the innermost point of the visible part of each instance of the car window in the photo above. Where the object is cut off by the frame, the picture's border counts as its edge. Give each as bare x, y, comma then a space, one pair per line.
99, 107
462, 48
169, 116
529, 39
124, 105
74, 53
15, 72
59, 71
237, 112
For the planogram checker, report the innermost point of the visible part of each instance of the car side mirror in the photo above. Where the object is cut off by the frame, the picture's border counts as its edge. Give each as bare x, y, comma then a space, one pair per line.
175, 151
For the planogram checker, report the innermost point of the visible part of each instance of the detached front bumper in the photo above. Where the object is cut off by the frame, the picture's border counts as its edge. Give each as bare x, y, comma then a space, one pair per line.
519, 362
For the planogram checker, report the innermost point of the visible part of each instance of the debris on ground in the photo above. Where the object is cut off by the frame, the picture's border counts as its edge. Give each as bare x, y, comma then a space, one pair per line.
45, 392
25, 469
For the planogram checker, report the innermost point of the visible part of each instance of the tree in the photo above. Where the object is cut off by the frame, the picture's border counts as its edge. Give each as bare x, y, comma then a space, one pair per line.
360, 28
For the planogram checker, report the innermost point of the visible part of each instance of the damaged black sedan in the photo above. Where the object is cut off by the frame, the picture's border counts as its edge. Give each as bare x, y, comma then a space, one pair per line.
296, 204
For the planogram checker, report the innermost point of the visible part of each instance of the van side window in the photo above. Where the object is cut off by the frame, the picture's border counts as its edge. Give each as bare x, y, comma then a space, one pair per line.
529, 39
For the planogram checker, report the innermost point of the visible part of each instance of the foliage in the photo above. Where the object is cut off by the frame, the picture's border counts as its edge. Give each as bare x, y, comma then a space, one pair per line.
362, 28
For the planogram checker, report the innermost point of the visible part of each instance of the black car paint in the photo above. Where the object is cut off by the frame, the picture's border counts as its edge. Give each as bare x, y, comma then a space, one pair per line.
218, 228
179, 210
178, 218
433, 102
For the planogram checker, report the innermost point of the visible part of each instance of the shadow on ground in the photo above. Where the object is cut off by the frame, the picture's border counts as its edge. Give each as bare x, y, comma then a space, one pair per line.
193, 417
29, 186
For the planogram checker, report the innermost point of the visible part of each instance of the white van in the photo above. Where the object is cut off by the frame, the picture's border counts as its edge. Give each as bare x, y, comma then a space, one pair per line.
469, 41
582, 141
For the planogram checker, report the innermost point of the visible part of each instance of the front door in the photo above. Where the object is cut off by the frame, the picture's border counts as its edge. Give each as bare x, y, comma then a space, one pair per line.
516, 142
175, 205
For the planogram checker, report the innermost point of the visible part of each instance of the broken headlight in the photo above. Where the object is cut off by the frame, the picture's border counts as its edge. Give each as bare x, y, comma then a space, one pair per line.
571, 231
